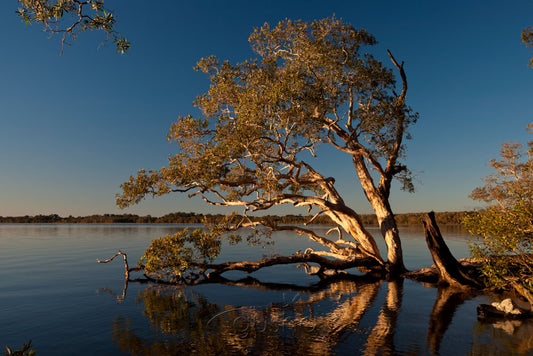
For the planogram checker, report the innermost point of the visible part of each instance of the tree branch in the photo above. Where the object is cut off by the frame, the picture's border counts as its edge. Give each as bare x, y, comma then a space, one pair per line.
252, 266
399, 104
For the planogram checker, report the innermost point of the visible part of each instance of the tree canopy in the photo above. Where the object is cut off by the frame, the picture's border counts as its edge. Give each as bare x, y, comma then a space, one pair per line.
506, 226
87, 15
263, 120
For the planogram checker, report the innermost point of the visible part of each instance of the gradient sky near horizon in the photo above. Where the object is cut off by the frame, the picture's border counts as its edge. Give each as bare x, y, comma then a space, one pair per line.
74, 127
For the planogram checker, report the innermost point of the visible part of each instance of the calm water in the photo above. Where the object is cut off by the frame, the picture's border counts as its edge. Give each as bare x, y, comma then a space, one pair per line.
54, 292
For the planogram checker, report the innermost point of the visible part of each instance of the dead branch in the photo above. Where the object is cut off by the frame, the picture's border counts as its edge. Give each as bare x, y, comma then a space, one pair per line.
127, 269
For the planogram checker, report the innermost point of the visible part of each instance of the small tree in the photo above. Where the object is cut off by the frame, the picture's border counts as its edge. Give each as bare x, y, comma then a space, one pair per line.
263, 121
87, 15
506, 227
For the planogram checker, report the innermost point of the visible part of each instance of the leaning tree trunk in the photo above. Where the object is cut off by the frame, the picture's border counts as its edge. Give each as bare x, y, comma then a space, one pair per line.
387, 224
389, 230
449, 269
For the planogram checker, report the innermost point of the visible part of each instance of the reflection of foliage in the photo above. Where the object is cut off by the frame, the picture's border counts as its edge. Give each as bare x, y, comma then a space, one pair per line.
309, 323
313, 322
173, 310
179, 316
26, 350
506, 227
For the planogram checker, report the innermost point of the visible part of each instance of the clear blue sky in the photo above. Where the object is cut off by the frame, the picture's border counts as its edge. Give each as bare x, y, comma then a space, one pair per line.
74, 127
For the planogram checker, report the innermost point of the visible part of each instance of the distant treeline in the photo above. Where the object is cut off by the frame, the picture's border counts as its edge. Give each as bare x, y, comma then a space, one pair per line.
444, 218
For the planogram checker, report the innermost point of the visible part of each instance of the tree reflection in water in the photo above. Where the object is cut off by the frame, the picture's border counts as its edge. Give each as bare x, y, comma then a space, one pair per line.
315, 322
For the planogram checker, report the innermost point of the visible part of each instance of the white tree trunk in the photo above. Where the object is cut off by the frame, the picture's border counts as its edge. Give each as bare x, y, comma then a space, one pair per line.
353, 226
389, 230
384, 214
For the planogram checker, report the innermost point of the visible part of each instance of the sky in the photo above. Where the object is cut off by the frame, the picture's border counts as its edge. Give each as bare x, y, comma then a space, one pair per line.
73, 127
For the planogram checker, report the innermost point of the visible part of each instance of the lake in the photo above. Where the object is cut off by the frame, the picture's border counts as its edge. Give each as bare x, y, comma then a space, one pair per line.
54, 292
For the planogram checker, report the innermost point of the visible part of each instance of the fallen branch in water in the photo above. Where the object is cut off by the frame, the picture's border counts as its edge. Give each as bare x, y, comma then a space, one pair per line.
211, 272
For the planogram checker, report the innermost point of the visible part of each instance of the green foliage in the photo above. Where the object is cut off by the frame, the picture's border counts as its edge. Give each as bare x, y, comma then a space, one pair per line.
171, 256
87, 15
26, 350
263, 121
182, 256
505, 229
264, 118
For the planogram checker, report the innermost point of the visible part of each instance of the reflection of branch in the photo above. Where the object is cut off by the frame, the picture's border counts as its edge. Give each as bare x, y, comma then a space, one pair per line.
347, 316
322, 285
382, 335
119, 298
199, 326
447, 302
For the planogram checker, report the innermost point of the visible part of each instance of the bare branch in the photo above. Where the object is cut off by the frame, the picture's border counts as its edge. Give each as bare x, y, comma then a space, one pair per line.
401, 97
335, 229
126, 267
400, 127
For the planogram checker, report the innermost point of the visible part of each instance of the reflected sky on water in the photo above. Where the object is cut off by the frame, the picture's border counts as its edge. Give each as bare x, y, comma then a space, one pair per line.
55, 293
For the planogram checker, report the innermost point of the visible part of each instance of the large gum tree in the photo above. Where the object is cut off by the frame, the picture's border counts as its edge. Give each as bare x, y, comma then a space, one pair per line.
256, 145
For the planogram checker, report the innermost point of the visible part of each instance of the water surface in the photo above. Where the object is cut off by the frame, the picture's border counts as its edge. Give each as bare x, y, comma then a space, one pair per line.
55, 293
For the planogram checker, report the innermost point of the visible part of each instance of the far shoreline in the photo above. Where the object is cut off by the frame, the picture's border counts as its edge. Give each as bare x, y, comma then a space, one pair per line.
406, 219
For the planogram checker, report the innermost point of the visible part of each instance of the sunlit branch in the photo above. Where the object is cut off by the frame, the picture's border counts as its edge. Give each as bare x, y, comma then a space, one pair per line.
127, 270
336, 249
314, 217
252, 266
349, 124
400, 127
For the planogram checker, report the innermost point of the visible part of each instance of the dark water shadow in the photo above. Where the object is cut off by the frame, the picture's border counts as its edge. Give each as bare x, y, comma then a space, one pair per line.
319, 321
